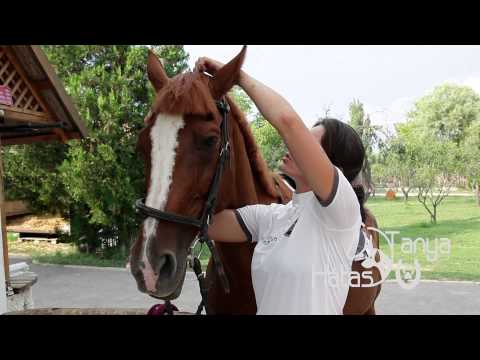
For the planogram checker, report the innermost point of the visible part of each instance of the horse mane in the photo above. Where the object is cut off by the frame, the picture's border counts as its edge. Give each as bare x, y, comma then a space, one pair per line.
189, 93
259, 166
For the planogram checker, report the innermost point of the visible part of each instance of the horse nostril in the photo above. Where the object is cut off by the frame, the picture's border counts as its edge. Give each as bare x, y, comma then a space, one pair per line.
167, 266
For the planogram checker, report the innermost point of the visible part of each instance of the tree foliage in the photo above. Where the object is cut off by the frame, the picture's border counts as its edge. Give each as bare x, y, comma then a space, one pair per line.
362, 124
396, 163
471, 157
97, 178
268, 139
447, 111
31, 173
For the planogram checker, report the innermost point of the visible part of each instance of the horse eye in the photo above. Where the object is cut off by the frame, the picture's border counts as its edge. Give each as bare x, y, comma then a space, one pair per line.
210, 141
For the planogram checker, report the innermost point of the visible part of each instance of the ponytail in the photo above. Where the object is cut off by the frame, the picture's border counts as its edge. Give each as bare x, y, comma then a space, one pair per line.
360, 192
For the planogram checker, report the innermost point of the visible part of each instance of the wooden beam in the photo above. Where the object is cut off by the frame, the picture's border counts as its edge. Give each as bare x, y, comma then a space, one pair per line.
74, 135
61, 135
13, 59
4, 67
27, 116
30, 139
42, 84
59, 88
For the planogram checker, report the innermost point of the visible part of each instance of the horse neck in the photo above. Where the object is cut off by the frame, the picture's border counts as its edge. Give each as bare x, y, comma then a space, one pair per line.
240, 184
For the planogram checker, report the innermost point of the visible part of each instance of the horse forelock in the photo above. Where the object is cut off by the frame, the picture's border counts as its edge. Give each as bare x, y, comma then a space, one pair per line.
186, 93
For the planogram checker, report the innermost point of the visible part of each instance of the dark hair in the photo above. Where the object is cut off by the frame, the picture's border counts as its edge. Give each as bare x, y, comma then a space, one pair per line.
345, 149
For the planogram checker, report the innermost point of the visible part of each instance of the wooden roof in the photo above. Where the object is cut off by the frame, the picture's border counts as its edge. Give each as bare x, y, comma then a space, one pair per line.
39, 98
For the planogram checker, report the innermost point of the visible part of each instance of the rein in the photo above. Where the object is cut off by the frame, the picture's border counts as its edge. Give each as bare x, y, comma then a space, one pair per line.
204, 221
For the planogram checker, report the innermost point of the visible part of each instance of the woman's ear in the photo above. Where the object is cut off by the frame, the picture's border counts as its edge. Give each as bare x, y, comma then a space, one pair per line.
227, 76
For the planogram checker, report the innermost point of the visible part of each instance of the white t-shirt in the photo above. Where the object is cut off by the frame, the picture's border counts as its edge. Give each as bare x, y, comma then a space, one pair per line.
304, 252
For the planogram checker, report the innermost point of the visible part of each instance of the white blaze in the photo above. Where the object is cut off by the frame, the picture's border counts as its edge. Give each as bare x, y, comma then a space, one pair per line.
164, 139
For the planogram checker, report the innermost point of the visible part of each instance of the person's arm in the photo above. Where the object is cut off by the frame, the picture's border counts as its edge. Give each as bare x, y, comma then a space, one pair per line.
226, 228
304, 148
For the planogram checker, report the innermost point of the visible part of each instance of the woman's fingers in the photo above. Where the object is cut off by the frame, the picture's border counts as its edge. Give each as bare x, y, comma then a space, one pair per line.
200, 64
205, 64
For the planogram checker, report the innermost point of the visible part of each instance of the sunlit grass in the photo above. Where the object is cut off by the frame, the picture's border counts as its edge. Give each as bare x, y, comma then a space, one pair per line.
458, 220
63, 254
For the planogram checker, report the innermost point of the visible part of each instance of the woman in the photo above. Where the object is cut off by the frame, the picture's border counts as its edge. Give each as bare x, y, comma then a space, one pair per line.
304, 252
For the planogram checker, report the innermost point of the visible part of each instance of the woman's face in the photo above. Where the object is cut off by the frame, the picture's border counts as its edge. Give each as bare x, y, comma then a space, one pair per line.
289, 167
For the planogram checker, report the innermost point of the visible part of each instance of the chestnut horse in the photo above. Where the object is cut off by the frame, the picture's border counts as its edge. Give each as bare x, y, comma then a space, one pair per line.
180, 146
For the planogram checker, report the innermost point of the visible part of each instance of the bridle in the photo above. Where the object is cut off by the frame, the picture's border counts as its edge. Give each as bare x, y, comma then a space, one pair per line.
206, 218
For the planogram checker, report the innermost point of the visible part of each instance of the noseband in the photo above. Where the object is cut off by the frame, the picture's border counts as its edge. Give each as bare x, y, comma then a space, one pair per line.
207, 213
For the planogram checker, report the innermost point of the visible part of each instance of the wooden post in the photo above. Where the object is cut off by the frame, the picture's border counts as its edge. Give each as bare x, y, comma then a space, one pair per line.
3, 288
4, 270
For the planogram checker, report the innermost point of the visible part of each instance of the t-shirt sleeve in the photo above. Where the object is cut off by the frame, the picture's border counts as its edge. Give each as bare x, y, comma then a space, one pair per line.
251, 218
341, 210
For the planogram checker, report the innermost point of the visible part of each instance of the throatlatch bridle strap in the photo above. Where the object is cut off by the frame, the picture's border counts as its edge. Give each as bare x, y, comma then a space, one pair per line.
207, 214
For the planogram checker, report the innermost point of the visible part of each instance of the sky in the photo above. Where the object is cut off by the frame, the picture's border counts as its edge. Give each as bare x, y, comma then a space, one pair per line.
387, 79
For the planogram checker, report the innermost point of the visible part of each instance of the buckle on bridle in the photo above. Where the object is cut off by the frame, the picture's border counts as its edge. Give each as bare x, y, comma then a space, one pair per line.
225, 148
223, 106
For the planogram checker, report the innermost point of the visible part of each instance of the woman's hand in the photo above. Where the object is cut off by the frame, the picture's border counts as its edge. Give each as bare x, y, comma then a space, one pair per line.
208, 65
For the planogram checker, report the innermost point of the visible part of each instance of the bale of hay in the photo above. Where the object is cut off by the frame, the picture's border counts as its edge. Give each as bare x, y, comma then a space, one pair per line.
38, 224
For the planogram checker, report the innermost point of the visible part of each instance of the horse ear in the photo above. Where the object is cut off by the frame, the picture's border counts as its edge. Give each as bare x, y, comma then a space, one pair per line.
156, 73
227, 76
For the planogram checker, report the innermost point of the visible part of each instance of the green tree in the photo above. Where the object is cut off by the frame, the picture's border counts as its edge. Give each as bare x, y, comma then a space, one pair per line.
398, 158
31, 173
363, 125
269, 141
368, 133
357, 115
243, 101
102, 174
267, 138
471, 157
447, 111
434, 164
451, 113
436, 175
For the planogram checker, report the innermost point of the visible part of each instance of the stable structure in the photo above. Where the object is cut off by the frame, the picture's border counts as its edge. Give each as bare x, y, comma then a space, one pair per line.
34, 107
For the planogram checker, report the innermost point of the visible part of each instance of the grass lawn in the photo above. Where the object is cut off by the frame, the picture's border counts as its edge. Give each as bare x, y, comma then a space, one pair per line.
61, 254
458, 220
68, 254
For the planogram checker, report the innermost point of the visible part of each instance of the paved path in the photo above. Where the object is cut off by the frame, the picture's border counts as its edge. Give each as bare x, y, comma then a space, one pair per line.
71, 286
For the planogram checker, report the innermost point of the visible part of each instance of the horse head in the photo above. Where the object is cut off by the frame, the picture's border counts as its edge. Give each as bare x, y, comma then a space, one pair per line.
180, 145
